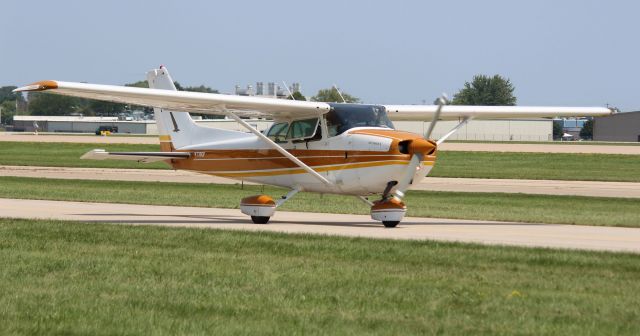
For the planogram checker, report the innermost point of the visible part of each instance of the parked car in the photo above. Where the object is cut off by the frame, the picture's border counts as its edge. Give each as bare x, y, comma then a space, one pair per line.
111, 129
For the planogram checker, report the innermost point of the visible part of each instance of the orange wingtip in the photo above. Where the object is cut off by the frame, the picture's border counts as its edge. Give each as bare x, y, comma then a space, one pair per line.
38, 86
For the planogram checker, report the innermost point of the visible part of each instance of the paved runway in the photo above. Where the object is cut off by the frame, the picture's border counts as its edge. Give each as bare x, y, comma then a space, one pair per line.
484, 232
545, 187
447, 146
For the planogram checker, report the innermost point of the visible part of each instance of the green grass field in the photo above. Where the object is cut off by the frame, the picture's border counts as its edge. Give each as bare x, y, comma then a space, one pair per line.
66, 278
51, 154
481, 206
538, 166
548, 166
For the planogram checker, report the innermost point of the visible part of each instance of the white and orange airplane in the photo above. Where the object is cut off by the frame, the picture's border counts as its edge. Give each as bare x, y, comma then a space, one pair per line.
334, 148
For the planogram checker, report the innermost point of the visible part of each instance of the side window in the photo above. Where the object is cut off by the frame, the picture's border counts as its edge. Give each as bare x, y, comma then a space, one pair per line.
318, 135
278, 132
302, 129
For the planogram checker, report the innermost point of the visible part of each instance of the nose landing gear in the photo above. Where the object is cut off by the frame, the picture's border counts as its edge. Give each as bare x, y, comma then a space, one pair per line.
389, 211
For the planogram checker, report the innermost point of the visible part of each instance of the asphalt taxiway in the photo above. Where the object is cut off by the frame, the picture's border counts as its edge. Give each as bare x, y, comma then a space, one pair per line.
484, 232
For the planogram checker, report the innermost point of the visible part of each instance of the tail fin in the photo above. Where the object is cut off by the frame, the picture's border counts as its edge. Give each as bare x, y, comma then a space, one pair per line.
177, 130
174, 128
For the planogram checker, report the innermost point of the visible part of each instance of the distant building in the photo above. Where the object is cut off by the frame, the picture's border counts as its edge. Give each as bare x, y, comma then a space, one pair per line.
76, 124
573, 126
486, 130
617, 127
273, 90
479, 130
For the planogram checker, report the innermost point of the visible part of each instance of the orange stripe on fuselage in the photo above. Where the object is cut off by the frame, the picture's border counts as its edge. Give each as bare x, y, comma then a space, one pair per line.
257, 160
269, 162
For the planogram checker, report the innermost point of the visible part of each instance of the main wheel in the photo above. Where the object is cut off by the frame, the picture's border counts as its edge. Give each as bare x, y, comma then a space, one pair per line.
390, 224
261, 219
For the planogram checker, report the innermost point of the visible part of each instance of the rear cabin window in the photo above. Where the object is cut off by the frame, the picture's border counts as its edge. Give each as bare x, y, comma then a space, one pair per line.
302, 129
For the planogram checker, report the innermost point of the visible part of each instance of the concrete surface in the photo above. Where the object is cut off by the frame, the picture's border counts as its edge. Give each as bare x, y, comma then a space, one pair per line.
544, 187
484, 232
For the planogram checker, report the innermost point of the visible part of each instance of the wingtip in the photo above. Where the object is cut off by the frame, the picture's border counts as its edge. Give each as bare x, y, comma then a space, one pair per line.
38, 86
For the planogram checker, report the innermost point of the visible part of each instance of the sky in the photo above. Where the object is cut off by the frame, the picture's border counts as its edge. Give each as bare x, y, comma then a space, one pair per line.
562, 52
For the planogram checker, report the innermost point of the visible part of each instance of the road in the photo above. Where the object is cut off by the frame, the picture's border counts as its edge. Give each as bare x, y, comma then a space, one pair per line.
447, 146
484, 232
543, 187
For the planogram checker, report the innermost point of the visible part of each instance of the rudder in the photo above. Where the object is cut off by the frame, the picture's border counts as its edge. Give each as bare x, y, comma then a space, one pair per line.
173, 127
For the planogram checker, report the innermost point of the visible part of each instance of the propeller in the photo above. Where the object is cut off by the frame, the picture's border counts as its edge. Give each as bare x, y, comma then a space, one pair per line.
418, 148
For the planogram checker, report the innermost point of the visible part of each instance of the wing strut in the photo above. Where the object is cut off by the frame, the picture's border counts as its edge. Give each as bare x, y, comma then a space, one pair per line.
280, 149
453, 130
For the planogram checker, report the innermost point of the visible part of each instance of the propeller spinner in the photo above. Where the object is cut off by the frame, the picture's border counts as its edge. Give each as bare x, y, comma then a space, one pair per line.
419, 148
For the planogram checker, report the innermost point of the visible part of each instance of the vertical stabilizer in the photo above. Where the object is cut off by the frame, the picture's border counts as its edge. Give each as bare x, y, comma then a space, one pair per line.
174, 128
177, 130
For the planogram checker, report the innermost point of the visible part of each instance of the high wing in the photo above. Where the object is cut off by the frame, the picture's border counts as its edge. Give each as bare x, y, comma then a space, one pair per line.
454, 112
197, 102
144, 157
246, 106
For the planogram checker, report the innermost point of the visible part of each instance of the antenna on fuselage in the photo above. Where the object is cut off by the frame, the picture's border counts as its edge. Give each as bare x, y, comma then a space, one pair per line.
339, 93
288, 90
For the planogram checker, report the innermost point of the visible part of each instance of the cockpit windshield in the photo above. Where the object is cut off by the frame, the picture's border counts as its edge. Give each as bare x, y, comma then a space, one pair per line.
346, 116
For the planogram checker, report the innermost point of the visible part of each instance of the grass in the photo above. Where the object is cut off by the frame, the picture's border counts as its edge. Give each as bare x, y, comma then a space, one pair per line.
73, 278
482, 206
53, 154
538, 166
546, 166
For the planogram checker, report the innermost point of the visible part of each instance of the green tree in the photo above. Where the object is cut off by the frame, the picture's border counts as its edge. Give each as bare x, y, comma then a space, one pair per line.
587, 130
298, 96
9, 103
53, 104
105, 108
200, 88
7, 94
333, 96
140, 84
485, 90
8, 108
557, 128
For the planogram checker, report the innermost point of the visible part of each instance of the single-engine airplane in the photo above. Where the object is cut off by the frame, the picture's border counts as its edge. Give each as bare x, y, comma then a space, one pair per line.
334, 148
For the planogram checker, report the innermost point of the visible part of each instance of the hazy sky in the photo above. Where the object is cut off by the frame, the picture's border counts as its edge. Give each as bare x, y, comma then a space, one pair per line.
555, 52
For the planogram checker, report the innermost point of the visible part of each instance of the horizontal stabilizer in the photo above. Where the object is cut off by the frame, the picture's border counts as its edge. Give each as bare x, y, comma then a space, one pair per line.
145, 157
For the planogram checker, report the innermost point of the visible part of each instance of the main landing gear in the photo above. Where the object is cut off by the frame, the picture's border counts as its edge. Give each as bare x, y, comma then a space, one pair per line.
262, 207
389, 210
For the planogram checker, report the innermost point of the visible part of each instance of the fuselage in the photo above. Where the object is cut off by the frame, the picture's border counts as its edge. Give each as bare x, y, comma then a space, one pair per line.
360, 161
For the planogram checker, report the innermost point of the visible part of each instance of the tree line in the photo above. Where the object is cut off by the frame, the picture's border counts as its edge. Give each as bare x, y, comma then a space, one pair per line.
482, 90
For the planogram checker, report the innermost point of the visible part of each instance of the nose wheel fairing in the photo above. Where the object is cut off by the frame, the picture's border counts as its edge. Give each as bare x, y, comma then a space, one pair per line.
389, 211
